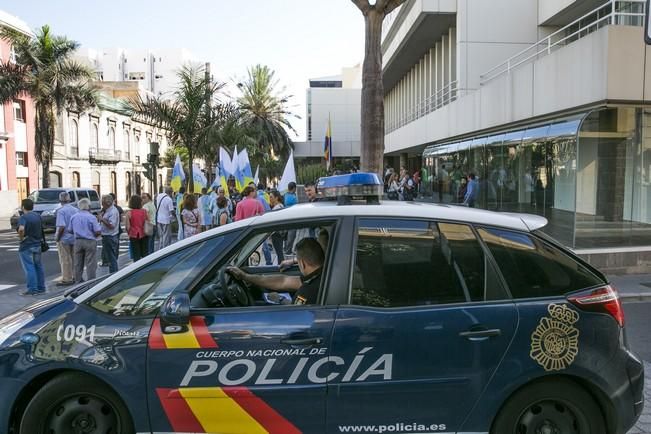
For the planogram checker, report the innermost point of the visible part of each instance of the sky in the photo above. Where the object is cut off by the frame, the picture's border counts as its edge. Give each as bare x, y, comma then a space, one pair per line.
299, 39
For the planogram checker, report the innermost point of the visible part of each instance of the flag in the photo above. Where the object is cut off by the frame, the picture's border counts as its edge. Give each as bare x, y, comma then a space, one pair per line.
225, 168
256, 177
198, 178
327, 146
217, 181
245, 167
289, 174
178, 175
237, 172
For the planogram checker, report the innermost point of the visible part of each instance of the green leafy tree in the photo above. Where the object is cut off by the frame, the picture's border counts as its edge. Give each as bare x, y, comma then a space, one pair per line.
372, 132
188, 116
264, 111
45, 72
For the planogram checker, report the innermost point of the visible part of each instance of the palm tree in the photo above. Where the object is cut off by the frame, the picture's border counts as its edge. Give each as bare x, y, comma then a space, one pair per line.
264, 110
44, 72
372, 134
188, 115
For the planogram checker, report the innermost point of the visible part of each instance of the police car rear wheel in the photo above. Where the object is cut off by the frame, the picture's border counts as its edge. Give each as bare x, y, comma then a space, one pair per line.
552, 407
77, 404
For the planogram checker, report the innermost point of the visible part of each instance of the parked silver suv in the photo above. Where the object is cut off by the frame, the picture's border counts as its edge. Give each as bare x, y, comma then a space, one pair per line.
46, 202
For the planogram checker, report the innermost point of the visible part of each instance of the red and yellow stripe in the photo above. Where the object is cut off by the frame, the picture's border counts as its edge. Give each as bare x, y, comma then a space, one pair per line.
224, 410
197, 336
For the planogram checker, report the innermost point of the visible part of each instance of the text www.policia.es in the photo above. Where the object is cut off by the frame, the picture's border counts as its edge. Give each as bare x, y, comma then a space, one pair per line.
400, 427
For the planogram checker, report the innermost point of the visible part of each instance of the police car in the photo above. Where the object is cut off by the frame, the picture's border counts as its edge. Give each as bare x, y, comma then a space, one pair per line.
429, 319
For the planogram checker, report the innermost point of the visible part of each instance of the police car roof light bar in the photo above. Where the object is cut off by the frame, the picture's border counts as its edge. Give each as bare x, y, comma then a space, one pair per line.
354, 186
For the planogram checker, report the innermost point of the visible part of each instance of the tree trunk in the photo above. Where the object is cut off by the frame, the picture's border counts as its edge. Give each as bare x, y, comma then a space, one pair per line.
190, 182
372, 133
44, 121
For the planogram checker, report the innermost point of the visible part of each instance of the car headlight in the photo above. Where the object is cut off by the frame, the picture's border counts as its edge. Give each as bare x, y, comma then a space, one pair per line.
48, 213
12, 323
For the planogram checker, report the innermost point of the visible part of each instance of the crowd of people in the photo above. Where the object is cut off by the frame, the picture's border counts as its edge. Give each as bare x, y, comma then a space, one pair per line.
148, 223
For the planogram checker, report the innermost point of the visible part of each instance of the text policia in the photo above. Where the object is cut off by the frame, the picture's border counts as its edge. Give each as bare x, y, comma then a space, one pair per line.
242, 370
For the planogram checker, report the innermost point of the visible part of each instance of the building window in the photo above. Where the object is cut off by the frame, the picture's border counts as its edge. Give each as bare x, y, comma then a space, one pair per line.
94, 135
128, 185
114, 183
75, 180
12, 55
74, 138
111, 136
136, 76
96, 182
19, 110
127, 145
21, 159
55, 179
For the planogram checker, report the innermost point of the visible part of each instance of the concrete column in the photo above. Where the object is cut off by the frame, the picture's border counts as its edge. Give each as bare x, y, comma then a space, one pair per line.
445, 43
426, 60
403, 160
439, 66
432, 71
453, 54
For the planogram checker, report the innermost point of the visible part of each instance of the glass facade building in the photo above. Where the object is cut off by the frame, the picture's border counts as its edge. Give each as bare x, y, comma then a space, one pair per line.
589, 174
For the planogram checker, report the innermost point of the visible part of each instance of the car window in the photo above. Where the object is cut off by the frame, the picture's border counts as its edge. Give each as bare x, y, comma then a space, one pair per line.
46, 196
73, 197
413, 263
82, 194
93, 195
534, 268
143, 292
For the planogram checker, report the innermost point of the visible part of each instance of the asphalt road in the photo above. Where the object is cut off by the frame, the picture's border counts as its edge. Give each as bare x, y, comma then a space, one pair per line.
11, 272
638, 328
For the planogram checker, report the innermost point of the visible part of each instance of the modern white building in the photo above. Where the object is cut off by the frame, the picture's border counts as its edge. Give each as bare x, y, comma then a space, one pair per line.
546, 101
335, 99
155, 70
104, 149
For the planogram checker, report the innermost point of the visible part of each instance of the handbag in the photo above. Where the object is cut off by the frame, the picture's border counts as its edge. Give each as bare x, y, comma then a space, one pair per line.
44, 245
149, 228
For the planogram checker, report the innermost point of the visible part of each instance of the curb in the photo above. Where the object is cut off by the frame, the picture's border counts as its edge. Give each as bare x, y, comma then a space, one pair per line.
635, 296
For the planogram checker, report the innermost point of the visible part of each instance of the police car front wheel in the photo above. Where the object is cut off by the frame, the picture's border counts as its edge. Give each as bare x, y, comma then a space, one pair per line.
550, 407
75, 403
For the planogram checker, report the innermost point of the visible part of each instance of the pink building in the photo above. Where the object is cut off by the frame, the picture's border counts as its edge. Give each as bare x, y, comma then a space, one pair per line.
19, 172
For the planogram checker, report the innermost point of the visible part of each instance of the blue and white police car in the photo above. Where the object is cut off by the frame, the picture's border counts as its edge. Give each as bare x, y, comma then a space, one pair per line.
424, 319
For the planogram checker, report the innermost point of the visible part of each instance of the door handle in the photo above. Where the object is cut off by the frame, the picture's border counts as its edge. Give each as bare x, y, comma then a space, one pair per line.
301, 341
480, 335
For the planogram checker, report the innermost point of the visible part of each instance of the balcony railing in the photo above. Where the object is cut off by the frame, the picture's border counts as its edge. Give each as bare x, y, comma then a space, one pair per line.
441, 98
612, 13
104, 155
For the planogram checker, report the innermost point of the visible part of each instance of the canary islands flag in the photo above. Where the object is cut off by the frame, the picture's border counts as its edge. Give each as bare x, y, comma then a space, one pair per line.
225, 168
245, 168
178, 175
327, 146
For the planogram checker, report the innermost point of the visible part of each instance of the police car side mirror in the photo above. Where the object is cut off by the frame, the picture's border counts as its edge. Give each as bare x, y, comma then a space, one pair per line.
175, 313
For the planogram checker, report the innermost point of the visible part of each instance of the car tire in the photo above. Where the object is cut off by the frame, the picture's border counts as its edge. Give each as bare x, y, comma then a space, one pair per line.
74, 402
557, 405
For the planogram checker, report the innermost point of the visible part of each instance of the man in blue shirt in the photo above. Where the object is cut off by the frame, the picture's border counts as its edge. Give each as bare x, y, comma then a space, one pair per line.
30, 232
290, 199
86, 229
65, 240
472, 191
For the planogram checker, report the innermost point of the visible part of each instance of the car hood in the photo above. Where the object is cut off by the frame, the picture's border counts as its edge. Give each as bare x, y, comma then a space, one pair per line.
40, 207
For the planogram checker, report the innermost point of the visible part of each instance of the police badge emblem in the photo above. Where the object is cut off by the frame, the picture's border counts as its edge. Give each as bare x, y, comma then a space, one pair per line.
555, 342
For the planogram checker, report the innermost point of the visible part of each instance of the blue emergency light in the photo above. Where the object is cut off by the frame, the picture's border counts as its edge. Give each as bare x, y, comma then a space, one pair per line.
353, 186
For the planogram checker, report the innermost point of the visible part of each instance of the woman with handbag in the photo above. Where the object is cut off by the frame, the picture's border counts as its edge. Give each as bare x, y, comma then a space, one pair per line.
135, 223
190, 217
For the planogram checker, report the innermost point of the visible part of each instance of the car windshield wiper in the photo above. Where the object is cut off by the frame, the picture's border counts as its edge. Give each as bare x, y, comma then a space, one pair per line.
80, 289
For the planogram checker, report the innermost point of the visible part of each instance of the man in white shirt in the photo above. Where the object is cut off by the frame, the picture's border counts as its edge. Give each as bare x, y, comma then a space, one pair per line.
164, 215
109, 220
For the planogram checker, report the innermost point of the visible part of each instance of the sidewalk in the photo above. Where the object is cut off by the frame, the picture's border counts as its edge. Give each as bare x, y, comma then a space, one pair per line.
632, 287
11, 300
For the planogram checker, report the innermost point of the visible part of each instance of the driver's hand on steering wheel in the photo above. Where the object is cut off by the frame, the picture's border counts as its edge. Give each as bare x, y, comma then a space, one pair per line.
236, 273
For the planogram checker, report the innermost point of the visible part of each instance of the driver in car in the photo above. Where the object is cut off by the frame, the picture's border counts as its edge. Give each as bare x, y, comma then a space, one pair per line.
310, 258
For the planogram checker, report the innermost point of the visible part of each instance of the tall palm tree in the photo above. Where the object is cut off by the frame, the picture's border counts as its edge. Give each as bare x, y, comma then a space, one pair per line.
372, 134
45, 72
264, 110
188, 115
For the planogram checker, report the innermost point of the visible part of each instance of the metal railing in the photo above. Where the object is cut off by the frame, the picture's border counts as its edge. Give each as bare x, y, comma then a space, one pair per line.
613, 12
104, 155
441, 98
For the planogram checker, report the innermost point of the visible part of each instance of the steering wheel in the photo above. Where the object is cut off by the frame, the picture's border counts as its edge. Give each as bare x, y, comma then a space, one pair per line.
235, 291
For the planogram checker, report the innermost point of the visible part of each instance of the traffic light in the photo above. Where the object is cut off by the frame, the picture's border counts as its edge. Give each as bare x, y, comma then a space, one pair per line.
149, 170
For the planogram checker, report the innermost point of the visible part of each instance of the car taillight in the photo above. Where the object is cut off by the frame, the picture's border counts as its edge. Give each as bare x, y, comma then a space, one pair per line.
604, 300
